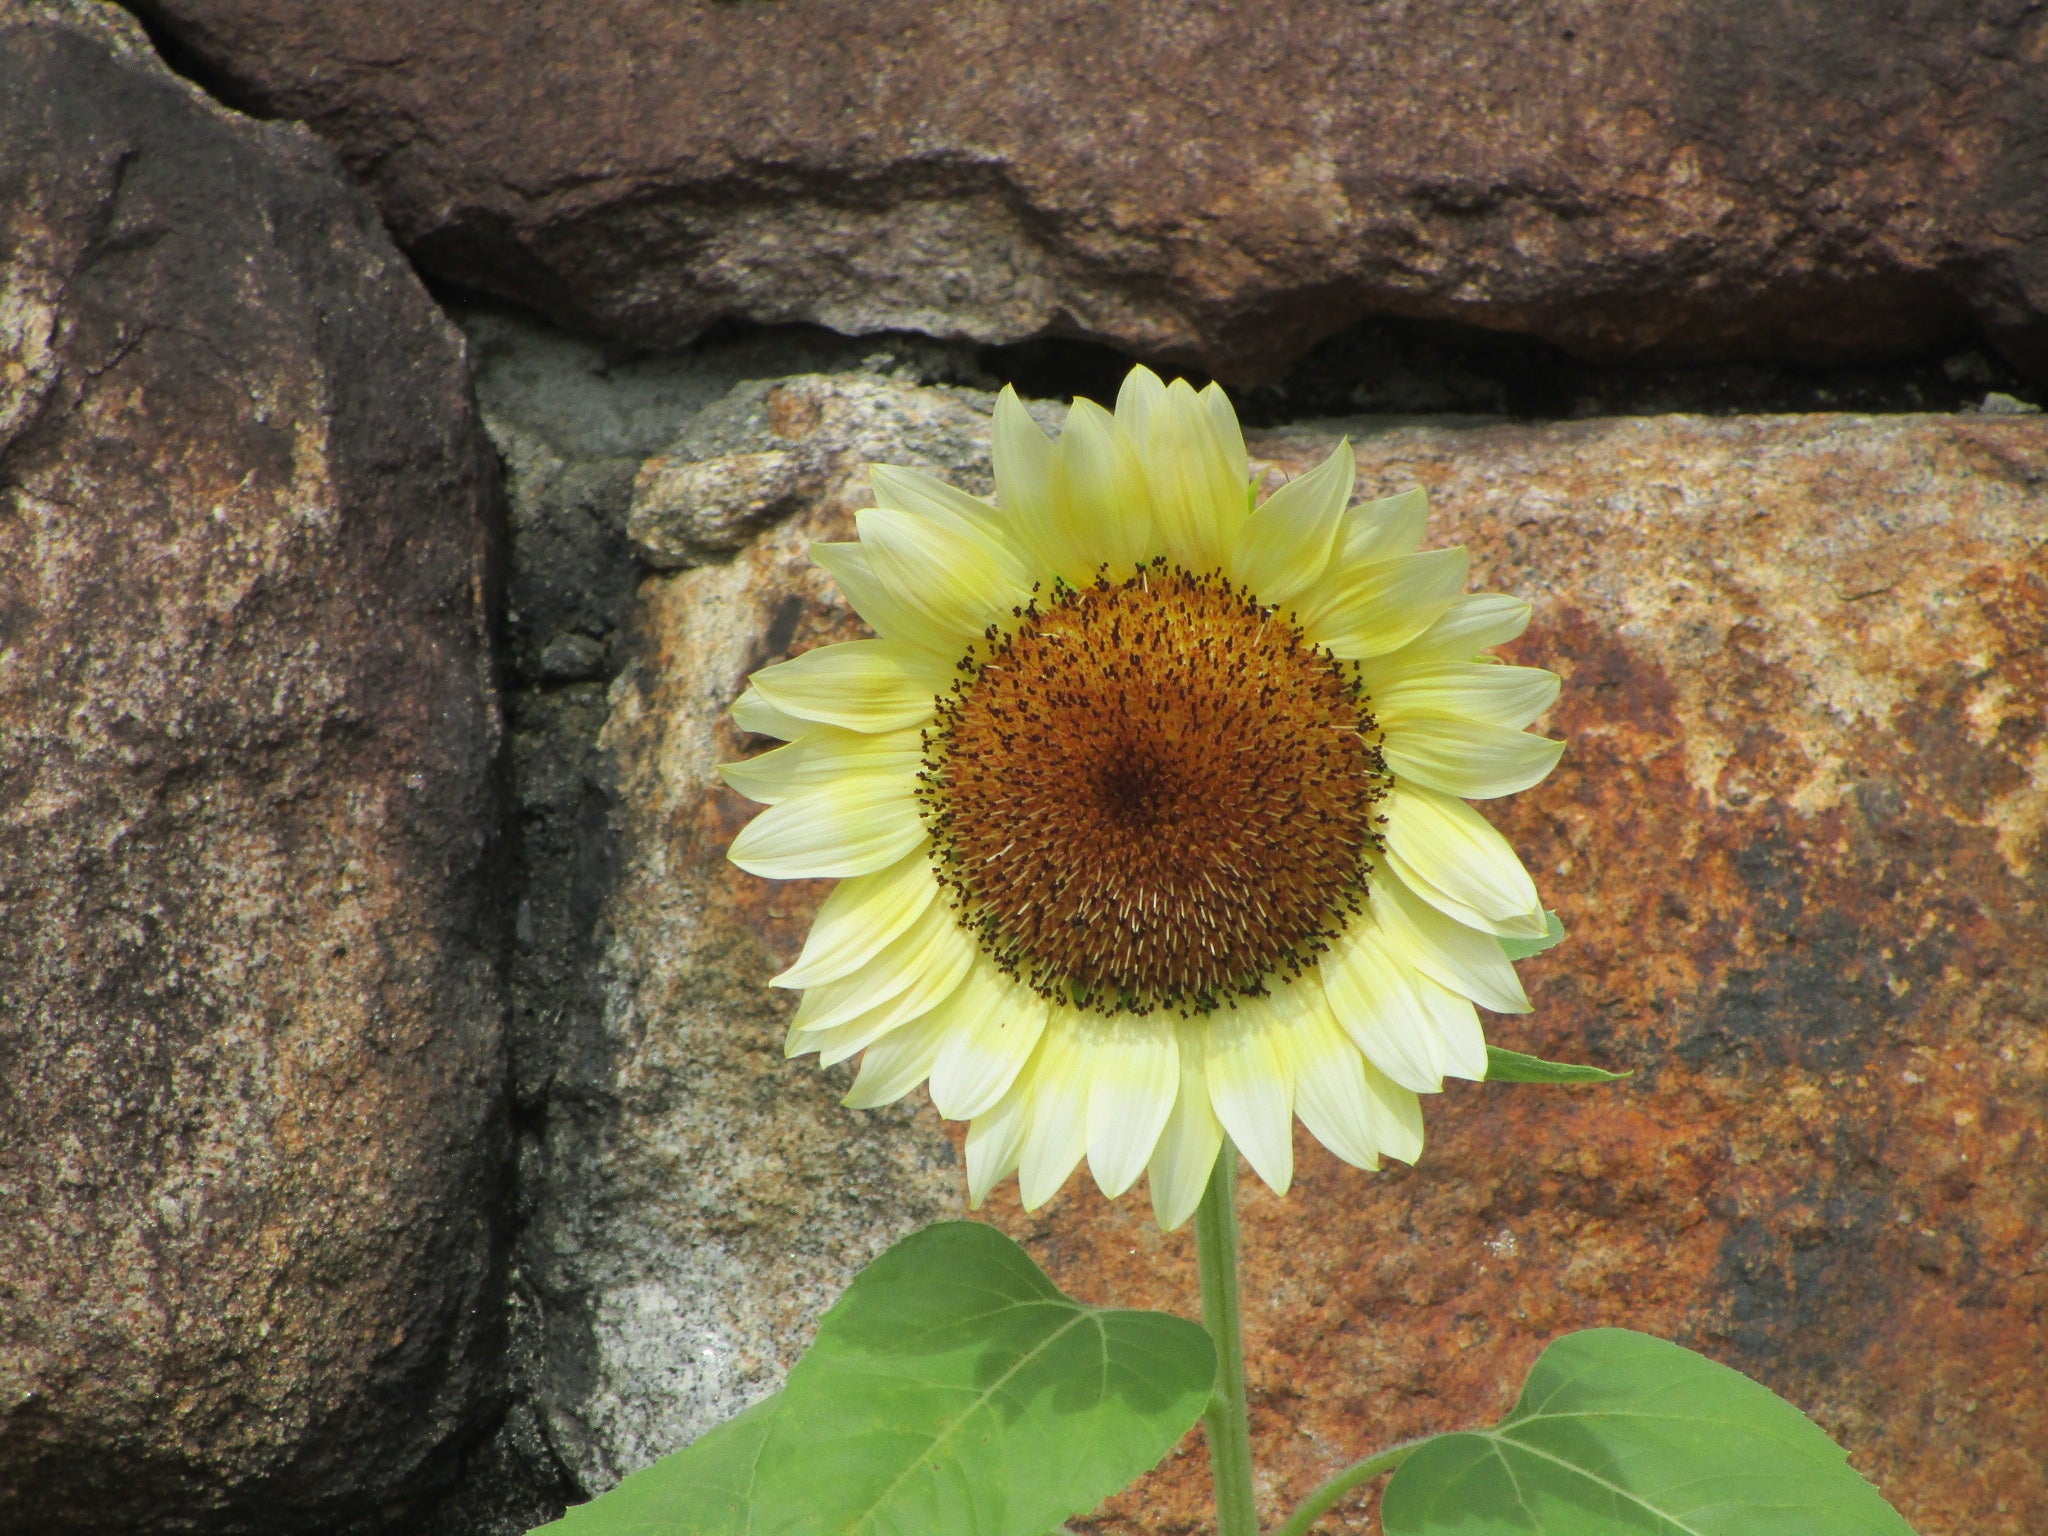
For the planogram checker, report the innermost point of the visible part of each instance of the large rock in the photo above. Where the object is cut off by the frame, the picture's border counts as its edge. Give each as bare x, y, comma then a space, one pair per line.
1800, 840
1797, 838
1216, 185
251, 1081
703, 1200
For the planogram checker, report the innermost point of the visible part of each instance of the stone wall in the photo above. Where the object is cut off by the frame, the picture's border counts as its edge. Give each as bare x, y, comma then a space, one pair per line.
1797, 840
391, 1112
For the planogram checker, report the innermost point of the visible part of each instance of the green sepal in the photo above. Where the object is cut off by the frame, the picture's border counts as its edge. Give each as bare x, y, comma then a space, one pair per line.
1503, 1066
1522, 949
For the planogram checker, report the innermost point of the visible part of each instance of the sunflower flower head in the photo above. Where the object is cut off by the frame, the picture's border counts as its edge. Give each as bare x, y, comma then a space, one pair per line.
1148, 805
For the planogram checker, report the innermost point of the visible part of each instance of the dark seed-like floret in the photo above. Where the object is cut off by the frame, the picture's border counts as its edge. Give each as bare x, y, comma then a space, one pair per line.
1153, 793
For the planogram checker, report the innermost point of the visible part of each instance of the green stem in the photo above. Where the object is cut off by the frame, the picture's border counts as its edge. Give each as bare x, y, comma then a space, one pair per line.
1324, 1499
1226, 1422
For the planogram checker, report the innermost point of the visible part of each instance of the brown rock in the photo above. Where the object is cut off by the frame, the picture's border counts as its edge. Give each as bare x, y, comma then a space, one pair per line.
250, 1056
1214, 185
1798, 841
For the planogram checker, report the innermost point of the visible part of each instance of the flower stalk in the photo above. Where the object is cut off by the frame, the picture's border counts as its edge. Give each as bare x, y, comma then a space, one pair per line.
1227, 1421
1359, 1473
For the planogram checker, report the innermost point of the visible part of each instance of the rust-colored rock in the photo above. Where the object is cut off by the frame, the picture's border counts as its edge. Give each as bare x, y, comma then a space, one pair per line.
1798, 839
1221, 185
251, 1082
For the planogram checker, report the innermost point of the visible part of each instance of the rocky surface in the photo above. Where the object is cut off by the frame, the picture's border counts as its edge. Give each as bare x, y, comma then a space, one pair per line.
251, 1059
700, 1200
578, 424
1798, 840
1213, 185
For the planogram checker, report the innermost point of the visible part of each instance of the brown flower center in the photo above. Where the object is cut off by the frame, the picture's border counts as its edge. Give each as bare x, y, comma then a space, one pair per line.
1153, 793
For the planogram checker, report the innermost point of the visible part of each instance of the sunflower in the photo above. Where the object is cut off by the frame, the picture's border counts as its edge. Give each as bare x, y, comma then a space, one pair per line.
1148, 805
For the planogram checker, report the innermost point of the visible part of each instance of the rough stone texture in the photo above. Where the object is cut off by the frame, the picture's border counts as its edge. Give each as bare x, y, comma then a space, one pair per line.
576, 421
251, 1058
703, 1200
1216, 184
1798, 840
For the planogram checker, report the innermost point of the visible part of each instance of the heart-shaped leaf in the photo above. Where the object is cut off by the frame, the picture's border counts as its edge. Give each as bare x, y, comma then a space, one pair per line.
707, 1486
953, 1389
1620, 1434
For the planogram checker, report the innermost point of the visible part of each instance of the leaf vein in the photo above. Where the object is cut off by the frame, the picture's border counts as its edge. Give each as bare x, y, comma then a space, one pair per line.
1593, 1477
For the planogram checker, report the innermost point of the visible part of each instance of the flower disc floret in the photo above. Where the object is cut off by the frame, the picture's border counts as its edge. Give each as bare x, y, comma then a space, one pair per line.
1153, 793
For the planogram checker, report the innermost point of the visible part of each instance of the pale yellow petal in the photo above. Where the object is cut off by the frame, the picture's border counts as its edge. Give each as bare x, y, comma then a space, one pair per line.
1380, 530
993, 1026
1474, 623
1229, 438
1058, 1133
862, 685
911, 490
1192, 1137
1198, 500
1387, 1118
1030, 485
1252, 1090
931, 946
836, 1044
1473, 690
956, 579
851, 827
1472, 964
1109, 507
1133, 1076
1374, 996
822, 755
896, 1063
1457, 1021
852, 568
860, 916
1397, 1124
1139, 403
752, 713
1468, 758
995, 1141
929, 988
1454, 859
1377, 608
1330, 1090
1284, 546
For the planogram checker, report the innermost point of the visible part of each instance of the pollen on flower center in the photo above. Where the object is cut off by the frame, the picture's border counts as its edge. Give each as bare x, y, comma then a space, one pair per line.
1153, 793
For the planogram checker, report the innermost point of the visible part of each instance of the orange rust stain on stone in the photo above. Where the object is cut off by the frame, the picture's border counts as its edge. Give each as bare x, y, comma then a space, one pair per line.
1827, 1168
1796, 839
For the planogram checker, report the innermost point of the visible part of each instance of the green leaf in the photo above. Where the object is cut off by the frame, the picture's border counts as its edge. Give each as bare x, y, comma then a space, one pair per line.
1522, 949
953, 1389
707, 1486
1620, 1434
1503, 1066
